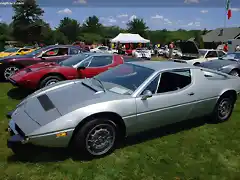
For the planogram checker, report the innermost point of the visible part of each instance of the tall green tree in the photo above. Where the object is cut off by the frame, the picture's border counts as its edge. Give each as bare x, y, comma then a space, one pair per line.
27, 22
92, 25
70, 28
137, 26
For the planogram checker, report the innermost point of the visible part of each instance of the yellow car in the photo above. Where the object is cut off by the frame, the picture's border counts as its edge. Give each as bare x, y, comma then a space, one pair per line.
15, 51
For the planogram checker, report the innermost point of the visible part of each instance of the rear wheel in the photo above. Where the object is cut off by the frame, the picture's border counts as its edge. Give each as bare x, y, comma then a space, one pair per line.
50, 80
234, 73
223, 108
9, 71
96, 138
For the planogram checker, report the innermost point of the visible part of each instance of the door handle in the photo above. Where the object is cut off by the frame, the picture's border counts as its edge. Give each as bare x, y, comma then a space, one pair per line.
191, 93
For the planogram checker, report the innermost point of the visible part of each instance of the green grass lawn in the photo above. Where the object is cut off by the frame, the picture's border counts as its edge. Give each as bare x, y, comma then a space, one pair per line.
206, 152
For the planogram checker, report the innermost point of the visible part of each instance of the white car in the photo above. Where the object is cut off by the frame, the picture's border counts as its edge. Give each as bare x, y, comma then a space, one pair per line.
103, 49
165, 52
142, 53
194, 56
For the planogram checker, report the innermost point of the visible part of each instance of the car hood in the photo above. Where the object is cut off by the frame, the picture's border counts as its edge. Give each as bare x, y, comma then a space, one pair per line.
217, 64
43, 65
15, 57
54, 101
188, 47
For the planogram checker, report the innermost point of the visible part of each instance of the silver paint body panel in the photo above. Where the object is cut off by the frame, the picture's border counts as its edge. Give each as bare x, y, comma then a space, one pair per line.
74, 102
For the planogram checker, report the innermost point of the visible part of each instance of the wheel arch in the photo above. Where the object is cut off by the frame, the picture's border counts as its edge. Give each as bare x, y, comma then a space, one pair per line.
235, 69
116, 118
51, 74
229, 92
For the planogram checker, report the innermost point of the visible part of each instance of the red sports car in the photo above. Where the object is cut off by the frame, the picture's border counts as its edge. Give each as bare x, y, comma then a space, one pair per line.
11, 64
85, 65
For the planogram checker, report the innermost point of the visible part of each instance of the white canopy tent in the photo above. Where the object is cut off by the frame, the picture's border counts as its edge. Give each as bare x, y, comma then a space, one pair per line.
129, 38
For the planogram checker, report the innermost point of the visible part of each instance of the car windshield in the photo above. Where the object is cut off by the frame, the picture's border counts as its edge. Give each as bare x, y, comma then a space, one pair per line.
124, 79
74, 60
232, 56
202, 52
10, 50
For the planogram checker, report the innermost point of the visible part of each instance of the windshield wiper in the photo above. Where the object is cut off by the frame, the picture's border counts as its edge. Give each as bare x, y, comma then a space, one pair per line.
100, 82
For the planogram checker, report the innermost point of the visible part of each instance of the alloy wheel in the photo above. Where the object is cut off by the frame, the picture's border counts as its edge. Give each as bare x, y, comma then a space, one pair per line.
100, 139
9, 71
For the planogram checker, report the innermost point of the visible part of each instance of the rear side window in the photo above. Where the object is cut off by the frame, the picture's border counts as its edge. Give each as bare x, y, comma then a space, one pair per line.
213, 76
211, 54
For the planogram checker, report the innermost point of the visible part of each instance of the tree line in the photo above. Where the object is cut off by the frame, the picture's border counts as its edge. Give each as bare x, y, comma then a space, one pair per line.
28, 27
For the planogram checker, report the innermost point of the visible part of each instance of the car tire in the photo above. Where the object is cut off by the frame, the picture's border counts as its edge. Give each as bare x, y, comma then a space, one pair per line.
49, 80
234, 73
92, 130
223, 109
10, 70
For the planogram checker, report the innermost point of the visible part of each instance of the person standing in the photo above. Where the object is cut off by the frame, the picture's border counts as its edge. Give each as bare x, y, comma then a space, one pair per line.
225, 47
171, 46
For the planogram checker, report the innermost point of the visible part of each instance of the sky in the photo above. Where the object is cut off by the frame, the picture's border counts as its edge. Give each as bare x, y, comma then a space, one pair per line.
158, 14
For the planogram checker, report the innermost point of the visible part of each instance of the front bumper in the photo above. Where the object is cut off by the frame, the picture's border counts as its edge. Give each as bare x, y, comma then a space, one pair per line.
23, 84
17, 137
14, 83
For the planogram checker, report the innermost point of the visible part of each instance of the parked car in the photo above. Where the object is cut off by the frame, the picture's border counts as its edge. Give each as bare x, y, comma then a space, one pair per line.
104, 49
85, 65
229, 63
142, 53
11, 64
192, 55
91, 115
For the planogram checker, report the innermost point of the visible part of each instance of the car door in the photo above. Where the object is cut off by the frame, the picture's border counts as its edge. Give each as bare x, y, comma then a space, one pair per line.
55, 54
171, 100
96, 65
211, 55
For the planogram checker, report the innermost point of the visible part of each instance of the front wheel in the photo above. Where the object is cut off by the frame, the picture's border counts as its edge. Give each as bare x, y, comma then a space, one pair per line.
96, 138
49, 81
9, 71
223, 109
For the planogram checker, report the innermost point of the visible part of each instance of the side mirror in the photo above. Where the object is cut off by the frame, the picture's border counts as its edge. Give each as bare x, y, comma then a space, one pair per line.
81, 68
146, 94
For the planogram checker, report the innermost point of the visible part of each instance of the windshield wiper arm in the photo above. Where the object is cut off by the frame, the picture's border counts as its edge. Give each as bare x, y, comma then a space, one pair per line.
100, 82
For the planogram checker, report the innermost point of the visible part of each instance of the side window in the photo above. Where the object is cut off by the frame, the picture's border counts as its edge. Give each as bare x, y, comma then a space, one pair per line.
211, 54
152, 86
74, 51
174, 80
102, 48
220, 53
56, 52
98, 61
52, 52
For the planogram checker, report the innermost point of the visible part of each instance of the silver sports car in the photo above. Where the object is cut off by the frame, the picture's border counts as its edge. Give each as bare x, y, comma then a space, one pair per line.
91, 115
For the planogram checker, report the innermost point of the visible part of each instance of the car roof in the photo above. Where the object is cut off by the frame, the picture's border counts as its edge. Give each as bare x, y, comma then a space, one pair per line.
101, 54
53, 46
162, 65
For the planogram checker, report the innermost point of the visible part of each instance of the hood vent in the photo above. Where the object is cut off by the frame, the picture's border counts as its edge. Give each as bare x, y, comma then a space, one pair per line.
45, 102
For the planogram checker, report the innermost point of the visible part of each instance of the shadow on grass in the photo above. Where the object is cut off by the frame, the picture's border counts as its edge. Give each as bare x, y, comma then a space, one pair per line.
53, 155
18, 93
